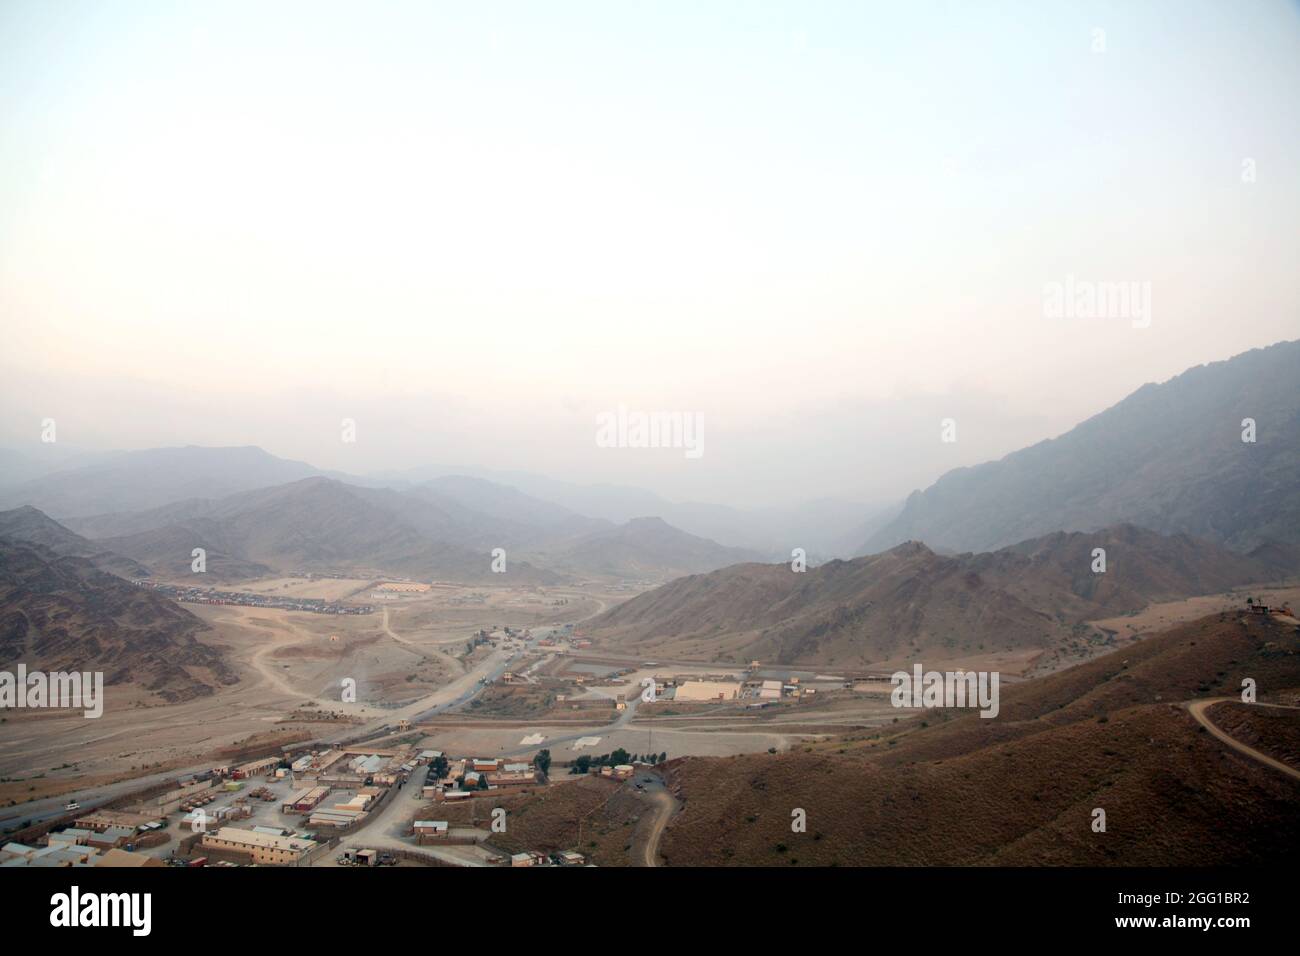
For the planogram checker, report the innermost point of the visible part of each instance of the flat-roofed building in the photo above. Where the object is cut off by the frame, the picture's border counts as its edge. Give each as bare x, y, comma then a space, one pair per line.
47, 856
429, 831
335, 818
274, 831
511, 774
102, 819
121, 858
72, 836
260, 847
66, 856
707, 690
111, 837
403, 587
304, 801
17, 850
205, 818
255, 767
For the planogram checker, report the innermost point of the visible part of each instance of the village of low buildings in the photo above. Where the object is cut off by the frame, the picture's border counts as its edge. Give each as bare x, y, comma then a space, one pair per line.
393, 799
288, 810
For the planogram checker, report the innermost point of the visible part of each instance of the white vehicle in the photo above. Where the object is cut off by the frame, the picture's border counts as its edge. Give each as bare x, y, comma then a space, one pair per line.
72, 806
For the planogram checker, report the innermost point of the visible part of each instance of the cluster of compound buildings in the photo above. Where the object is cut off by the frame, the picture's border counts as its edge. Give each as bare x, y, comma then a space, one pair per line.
101, 838
287, 810
710, 690
330, 792
276, 810
392, 590
451, 780
468, 777
195, 595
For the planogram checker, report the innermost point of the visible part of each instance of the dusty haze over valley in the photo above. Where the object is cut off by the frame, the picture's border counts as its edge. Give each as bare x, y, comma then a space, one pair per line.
694, 435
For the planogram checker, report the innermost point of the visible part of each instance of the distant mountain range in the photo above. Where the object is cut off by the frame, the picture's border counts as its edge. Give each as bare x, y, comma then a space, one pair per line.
642, 548
824, 527
910, 601
444, 529
316, 524
134, 480
61, 612
88, 488
22, 467
67, 484
1169, 457
64, 602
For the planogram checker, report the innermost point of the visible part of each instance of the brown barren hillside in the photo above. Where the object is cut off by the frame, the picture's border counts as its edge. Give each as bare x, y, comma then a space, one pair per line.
31, 526
1205, 658
1274, 731
63, 613
910, 600
546, 819
1020, 789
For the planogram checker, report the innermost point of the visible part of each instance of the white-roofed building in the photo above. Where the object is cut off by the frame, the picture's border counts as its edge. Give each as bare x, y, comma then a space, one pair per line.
428, 831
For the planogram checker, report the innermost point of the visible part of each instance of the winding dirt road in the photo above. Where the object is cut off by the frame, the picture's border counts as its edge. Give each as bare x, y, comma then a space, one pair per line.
456, 665
282, 637
663, 812
1198, 710
645, 850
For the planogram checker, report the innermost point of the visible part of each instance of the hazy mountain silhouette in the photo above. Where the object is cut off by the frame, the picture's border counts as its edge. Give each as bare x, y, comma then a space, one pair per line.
1170, 457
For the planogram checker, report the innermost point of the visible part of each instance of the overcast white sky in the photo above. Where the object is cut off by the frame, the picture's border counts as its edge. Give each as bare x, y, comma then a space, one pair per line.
472, 227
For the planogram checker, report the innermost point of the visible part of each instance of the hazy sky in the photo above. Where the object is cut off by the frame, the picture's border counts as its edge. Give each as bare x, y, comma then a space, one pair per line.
473, 227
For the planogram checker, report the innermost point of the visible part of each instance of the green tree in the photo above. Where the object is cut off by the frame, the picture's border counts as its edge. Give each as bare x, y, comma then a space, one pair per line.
543, 761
